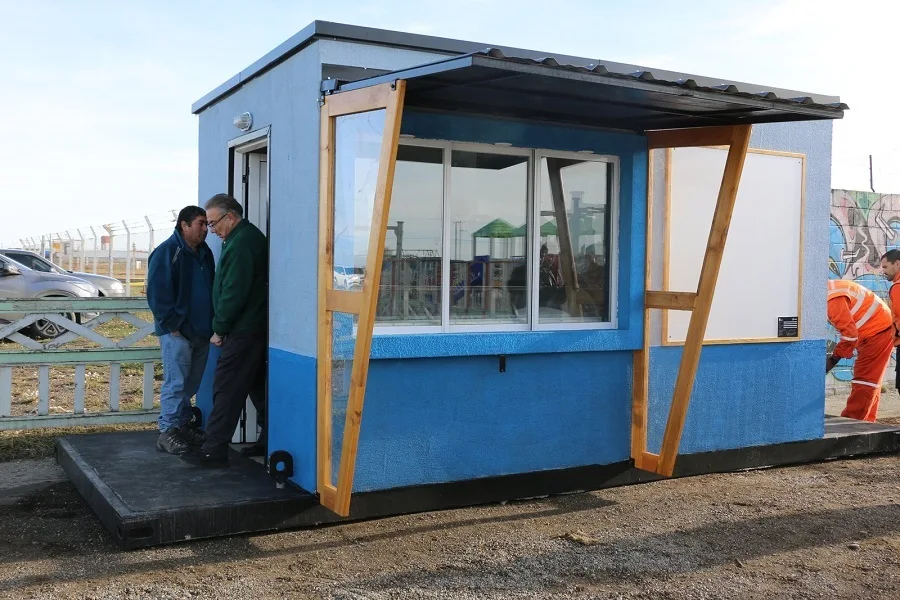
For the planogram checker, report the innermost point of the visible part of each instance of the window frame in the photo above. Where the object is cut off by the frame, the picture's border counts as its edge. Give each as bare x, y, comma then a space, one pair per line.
532, 241
613, 259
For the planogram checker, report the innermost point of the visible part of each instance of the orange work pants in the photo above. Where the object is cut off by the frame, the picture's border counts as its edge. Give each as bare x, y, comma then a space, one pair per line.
873, 354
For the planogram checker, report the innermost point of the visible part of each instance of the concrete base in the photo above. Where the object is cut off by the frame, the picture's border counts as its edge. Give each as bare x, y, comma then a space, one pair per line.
146, 498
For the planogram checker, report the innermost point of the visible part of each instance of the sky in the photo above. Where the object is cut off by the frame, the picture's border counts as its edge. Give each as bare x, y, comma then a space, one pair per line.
95, 96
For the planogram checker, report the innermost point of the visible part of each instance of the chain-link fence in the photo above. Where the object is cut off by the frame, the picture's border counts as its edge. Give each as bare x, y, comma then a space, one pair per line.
117, 249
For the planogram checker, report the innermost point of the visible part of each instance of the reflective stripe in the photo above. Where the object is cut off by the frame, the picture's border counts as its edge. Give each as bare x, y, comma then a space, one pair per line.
849, 339
858, 382
868, 315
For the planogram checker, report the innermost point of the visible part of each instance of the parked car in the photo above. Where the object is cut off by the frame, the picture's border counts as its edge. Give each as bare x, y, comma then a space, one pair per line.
108, 286
348, 278
19, 282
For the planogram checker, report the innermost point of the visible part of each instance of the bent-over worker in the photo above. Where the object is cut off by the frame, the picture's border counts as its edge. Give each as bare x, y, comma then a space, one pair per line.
865, 325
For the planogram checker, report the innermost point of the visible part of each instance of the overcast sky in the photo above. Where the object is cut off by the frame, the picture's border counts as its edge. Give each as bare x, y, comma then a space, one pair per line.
95, 96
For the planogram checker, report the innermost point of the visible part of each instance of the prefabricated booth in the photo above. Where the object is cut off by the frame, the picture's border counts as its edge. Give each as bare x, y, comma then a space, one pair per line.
487, 261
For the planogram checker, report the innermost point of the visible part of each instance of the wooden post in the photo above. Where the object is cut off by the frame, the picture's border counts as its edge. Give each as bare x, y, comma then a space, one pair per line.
326, 282
380, 211
709, 273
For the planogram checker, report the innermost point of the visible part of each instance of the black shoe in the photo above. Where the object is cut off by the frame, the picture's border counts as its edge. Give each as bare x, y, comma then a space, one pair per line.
194, 436
202, 458
171, 441
256, 449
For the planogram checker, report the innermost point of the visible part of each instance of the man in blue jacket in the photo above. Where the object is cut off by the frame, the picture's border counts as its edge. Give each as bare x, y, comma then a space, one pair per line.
180, 274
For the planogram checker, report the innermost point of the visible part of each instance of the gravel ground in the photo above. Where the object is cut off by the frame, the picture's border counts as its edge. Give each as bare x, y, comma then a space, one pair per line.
815, 531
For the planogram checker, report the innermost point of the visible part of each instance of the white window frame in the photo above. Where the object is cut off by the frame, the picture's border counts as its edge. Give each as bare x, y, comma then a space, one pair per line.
613, 259
532, 241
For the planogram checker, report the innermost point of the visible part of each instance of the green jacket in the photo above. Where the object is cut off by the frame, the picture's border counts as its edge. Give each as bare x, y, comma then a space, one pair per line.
240, 287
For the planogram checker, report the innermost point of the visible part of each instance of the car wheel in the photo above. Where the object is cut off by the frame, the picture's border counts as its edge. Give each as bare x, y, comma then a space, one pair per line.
47, 330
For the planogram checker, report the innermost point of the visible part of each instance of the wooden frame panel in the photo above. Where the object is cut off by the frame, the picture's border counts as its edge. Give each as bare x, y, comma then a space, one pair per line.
699, 303
666, 263
389, 96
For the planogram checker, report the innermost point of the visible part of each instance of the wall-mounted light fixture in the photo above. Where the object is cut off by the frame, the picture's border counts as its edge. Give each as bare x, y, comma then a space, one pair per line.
244, 121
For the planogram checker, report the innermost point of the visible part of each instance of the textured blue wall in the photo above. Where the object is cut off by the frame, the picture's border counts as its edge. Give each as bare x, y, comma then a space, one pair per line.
435, 420
744, 395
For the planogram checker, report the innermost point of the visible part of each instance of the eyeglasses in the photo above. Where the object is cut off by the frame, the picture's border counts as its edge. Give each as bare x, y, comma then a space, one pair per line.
212, 224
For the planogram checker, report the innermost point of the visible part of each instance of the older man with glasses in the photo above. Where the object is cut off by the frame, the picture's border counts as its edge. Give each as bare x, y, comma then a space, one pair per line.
239, 328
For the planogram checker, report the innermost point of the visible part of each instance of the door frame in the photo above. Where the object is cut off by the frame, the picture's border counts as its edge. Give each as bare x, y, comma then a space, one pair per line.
243, 146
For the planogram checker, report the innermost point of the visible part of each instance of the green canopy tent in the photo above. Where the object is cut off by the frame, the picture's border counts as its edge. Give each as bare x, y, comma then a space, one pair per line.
498, 228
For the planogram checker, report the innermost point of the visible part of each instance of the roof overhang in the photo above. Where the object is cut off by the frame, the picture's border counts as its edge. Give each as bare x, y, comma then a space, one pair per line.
490, 83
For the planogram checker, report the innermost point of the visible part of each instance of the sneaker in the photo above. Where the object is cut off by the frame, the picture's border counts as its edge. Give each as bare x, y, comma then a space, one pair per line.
202, 458
256, 449
194, 436
171, 441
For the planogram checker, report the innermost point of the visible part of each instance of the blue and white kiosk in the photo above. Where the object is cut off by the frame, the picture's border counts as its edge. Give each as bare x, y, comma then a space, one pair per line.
497, 273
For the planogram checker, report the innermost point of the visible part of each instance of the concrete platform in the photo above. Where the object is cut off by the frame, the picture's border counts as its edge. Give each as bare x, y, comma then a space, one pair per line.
146, 498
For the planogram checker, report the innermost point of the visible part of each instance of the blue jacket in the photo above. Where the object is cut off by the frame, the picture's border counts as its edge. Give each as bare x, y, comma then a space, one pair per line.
179, 288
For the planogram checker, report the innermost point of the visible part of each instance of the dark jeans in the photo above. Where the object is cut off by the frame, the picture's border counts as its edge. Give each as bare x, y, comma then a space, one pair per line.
240, 372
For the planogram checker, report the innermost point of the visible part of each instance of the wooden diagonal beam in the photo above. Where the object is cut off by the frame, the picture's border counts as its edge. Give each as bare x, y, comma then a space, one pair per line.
706, 287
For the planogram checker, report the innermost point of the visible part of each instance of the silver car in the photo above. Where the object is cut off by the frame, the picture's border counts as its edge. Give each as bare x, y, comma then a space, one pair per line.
18, 281
108, 286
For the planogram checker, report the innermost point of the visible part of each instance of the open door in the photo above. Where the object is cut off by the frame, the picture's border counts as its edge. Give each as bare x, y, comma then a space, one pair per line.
360, 131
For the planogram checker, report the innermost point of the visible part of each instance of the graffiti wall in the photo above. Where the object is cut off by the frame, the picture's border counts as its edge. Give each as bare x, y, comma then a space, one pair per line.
864, 225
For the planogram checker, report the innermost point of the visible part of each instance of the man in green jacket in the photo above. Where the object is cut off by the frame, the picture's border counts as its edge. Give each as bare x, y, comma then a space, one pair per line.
239, 327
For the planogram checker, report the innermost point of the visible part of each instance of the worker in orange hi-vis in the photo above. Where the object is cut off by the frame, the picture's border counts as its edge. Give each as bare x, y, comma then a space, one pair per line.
866, 325
890, 267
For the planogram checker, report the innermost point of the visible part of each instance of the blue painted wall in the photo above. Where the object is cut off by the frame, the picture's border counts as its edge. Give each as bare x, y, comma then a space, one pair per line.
744, 395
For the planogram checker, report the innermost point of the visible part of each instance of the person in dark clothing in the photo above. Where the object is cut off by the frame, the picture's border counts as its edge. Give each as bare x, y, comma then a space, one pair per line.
180, 276
239, 328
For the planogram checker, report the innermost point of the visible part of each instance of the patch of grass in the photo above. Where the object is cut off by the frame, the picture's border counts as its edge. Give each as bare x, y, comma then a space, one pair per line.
39, 443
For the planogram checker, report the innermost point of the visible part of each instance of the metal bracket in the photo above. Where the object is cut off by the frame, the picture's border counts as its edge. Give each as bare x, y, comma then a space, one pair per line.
281, 467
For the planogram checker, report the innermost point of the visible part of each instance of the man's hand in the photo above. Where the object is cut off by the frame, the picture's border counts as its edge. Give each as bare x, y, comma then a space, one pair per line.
830, 362
175, 333
215, 340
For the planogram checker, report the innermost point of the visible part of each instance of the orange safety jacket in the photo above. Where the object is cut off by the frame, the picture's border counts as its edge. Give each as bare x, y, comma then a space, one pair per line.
857, 313
894, 294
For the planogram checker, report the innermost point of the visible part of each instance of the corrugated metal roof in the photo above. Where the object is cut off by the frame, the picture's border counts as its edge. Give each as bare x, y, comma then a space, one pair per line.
542, 89
685, 82
319, 30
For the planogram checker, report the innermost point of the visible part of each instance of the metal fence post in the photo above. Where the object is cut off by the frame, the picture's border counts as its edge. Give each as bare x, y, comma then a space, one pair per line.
94, 233
62, 248
128, 257
71, 252
81, 262
109, 230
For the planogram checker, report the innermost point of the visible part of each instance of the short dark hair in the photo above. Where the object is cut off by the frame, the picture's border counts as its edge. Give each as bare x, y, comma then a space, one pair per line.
225, 203
891, 255
188, 214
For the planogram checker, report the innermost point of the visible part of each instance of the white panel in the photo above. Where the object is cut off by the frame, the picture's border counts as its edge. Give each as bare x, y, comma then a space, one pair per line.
759, 280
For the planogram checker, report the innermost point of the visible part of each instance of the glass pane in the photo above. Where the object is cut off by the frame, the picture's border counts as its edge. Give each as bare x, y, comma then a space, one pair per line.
343, 342
357, 150
410, 290
573, 271
488, 208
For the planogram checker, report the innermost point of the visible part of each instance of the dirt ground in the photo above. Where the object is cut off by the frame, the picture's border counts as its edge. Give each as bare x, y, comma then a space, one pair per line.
815, 531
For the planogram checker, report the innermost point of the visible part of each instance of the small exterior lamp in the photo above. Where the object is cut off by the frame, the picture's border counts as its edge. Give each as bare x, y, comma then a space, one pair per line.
243, 121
